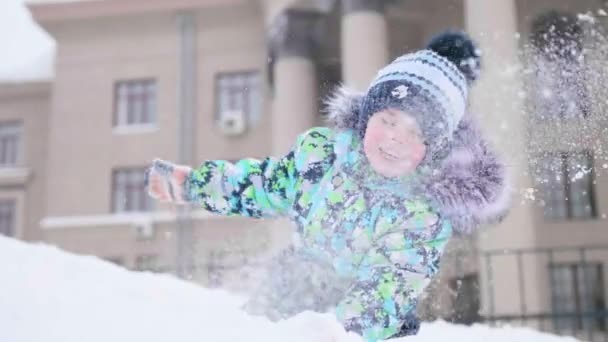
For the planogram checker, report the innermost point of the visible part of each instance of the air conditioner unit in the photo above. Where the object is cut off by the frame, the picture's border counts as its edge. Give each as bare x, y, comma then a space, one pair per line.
144, 229
233, 122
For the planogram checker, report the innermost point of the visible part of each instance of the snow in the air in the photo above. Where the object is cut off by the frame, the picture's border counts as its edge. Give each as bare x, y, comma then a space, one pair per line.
48, 295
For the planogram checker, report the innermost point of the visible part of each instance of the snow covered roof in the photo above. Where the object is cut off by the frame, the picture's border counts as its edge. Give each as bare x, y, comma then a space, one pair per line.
28, 51
53, 296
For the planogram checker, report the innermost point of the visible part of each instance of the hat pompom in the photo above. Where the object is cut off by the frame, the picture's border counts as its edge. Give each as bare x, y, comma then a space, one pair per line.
459, 49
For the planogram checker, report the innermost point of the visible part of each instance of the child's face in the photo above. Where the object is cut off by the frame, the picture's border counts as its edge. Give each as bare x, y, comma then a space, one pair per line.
393, 143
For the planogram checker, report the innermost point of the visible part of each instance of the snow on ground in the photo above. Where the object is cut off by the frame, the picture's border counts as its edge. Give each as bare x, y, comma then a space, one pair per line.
27, 50
49, 295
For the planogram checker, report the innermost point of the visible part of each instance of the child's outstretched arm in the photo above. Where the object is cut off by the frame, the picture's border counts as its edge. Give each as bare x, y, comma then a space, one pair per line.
248, 187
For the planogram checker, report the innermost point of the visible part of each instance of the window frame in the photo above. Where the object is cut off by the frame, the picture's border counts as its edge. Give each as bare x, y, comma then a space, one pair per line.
148, 202
12, 229
150, 260
12, 128
544, 52
575, 288
248, 107
565, 174
148, 116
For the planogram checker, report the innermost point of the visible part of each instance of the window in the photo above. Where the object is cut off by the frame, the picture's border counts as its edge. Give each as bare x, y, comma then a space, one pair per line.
129, 192
330, 78
135, 103
577, 292
7, 217
239, 91
10, 139
580, 185
147, 262
467, 302
216, 267
567, 185
558, 59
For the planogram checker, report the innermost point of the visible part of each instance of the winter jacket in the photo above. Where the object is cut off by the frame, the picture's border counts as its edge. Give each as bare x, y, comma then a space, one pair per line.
384, 237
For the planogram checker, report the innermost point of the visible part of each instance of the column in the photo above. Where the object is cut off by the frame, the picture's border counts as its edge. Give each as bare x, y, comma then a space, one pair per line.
364, 41
186, 246
497, 103
293, 43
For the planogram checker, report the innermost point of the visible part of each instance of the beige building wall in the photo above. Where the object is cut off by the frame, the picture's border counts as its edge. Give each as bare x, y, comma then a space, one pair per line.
25, 183
83, 140
64, 191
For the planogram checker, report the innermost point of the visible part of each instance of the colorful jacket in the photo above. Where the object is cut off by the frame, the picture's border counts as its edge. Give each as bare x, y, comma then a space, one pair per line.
384, 236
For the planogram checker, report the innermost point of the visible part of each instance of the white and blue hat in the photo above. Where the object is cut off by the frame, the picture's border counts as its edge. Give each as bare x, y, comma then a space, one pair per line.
430, 84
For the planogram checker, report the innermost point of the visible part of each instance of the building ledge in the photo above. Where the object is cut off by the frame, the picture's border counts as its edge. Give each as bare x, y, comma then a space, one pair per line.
113, 220
14, 175
77, 10
135, 129
11, 90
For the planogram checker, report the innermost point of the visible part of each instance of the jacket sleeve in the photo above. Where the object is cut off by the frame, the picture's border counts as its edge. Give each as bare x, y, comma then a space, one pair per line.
251, 187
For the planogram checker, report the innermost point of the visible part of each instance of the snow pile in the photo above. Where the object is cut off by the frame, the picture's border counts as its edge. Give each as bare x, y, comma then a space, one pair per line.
52, 296
28, 52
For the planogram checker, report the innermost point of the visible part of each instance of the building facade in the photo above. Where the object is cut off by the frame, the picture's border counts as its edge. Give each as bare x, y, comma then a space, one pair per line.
190, 80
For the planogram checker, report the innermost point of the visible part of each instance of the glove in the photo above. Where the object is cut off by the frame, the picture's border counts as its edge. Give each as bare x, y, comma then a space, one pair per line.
166, 181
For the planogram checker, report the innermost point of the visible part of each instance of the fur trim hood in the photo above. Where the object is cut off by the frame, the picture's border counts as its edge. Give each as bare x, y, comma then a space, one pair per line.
470, 186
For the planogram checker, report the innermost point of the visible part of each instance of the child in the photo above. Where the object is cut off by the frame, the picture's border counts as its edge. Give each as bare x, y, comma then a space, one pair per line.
378, 195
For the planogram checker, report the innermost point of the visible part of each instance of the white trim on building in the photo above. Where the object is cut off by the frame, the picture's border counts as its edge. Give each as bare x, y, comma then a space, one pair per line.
64, 222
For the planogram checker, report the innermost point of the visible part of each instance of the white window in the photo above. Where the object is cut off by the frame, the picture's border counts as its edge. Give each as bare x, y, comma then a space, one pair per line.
577, 292
580, 185
10, 141
7, 217
147, 262
129, 192
239, 91
567, 186
467, 302
135, 103
560, 90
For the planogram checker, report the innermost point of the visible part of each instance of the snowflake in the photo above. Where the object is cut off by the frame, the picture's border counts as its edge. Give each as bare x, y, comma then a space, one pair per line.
586, 17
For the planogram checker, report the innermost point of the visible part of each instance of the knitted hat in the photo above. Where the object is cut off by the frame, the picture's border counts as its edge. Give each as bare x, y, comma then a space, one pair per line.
431, 84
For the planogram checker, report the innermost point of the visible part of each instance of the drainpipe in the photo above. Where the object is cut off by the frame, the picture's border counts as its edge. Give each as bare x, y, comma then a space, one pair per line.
186, 22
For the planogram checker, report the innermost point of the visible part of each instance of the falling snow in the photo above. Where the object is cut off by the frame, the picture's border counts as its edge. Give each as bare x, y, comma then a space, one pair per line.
563, 94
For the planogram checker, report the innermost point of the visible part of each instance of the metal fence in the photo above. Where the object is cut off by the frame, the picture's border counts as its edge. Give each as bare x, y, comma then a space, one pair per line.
575, 293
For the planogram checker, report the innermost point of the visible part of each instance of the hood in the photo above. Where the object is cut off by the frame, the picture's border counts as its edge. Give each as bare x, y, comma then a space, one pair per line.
469, 186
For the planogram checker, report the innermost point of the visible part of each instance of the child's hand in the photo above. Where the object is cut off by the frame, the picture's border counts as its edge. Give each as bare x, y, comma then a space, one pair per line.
165, 181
